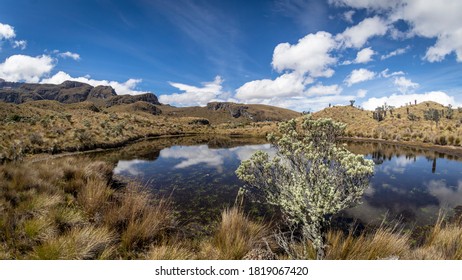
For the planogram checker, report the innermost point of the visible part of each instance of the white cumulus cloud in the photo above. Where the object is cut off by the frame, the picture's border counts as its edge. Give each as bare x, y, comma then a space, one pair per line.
6, 31
435, 19
311, 55
128, 87
428, 19
363, 56
348, 16
358, 76
321, 89
356, 36
361, 93
404, 85
24, 68
286, 85
194, 96
398, 100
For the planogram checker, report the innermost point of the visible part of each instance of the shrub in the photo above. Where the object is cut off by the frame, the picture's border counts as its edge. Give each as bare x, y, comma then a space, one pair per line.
310, 178
36, 139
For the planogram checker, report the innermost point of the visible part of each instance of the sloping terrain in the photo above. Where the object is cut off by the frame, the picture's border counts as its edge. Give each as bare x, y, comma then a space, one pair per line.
407, 123
225, 112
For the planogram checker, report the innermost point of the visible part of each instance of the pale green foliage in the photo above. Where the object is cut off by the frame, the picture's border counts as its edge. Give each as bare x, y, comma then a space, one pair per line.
311, 177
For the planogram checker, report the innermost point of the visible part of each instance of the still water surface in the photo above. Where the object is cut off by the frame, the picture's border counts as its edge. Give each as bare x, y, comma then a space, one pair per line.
409, 184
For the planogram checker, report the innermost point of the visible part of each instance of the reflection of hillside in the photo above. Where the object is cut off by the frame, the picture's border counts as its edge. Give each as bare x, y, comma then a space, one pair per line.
150, 149
384, 151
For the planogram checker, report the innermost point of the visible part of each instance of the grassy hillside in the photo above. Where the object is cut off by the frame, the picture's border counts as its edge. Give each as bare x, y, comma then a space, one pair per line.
52, 127
253, 112
406, 123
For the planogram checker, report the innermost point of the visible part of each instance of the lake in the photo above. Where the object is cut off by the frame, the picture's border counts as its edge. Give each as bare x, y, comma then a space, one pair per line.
409, 184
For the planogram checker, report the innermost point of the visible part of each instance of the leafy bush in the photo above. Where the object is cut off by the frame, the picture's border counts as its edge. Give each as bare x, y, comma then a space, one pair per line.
310, 178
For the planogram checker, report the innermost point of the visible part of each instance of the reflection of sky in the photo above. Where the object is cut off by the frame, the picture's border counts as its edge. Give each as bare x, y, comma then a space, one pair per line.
395, 165
448, 196
402, 186
128, 166
193, 155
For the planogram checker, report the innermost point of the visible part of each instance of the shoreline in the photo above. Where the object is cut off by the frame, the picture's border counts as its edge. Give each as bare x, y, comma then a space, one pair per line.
449, 150
43, 156
38, 157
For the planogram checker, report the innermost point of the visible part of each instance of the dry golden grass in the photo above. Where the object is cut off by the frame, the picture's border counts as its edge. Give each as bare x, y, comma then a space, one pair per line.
236, 235
398, 126
172, 251
444, 242
140, 217
40, 218
79, 243
383, 243
53, 127
94, 196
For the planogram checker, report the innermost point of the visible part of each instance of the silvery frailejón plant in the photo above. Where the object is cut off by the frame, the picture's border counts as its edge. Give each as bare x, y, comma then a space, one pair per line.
310, 178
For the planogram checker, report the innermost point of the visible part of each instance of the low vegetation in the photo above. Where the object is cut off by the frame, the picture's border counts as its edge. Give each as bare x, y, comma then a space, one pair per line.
310, 179
426, 123
52, 127
70, 209
74, 209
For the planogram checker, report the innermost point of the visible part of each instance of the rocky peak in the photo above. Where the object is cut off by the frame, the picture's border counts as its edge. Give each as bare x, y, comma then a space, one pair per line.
236, 110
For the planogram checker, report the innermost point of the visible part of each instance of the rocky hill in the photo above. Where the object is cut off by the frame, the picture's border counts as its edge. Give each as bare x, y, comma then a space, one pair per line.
227, 112
100, 97
68, 92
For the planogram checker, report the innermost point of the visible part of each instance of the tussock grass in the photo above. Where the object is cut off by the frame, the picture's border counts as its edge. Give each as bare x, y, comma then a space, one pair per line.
94, 196
383, 243
141, 218
443, 242
53, 127
72, 212
236, 235
171, 251
79, 243
68, 210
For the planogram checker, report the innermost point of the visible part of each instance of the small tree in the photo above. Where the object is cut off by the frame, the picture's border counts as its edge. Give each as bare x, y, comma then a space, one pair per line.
352, 102
310, 178
378, 114
449, 112
432, 115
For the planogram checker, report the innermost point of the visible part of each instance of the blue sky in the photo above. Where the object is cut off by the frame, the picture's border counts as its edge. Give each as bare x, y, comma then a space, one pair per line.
298, 54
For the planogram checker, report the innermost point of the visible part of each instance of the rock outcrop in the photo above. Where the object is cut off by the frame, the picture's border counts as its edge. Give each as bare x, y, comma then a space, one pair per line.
129, 99
68, 92
236, 110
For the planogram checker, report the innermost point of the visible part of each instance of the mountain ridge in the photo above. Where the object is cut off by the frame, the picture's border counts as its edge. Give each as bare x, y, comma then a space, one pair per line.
68, 92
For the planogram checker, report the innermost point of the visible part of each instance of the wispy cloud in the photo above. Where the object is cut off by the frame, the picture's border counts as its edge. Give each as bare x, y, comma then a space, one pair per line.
395, 52
310, 15
208, 26
68, 54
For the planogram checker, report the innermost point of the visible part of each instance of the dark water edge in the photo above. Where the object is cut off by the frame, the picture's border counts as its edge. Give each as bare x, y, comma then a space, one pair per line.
410, 184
